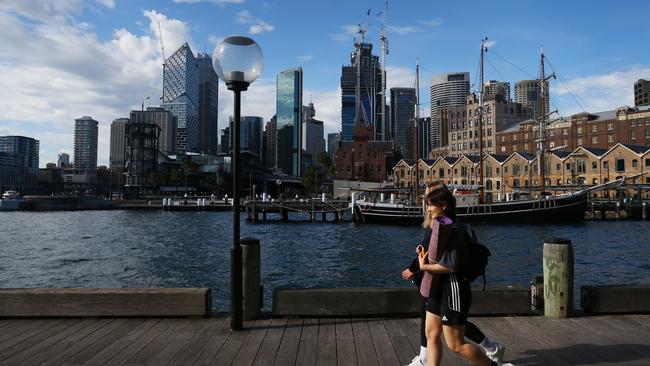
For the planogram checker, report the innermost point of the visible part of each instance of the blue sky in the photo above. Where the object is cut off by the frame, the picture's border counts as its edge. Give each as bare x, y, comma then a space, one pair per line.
60, 60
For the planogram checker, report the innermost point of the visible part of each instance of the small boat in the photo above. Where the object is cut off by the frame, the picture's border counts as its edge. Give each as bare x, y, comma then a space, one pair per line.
10, 201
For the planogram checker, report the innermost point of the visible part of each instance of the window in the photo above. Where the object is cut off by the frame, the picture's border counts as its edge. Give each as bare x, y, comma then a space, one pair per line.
497, 170
525, 136
503, 149
498, 185
463, 171
505, 170
594, 165
455, 171
568, 166
441, 172
635, 163
594, 128
551, 133
515, 182
488, 171
610, 126
558, 167
581, 167
610, 138
647, 133
579, 130
580, 142
594, 181
620, 165
605, 164
633, 134
594, 140
516, 169
565, 132
551, 144
647, 163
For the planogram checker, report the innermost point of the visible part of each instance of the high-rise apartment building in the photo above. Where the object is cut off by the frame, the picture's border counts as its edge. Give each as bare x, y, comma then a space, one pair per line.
141, 149
528, 93
166, 121
181, 96
497, 88
402, 116
642, 93
208, 105
271, 144
118, 139
225, 140
447, 90
289, 120
19, 164
365, 70
423, 132
313, 140
85, 149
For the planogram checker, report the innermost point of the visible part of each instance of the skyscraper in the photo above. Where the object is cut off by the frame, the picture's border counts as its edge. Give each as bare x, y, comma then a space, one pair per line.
85, 149
166, 121
497, 88
366, 70
528, 92
19, 164
141, 149
313, 140
208, 105
641, 93
181, 96
250, 134
64, 160
289, 120
333, 140
271, 145
402, 115
447, 90
118, 138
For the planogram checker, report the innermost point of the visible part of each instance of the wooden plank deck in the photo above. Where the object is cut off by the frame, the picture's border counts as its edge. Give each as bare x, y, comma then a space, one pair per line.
593, 340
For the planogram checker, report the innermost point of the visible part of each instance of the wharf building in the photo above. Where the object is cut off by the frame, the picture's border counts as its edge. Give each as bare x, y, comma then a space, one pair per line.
602, 130
517, 174
19, 158
181, 96
84, 174
365, 69
271, 144
313, 132
462, 123
447, 90
118, 140
364, 159
402, 117
642, 93
208, 106
289, 121
528, 93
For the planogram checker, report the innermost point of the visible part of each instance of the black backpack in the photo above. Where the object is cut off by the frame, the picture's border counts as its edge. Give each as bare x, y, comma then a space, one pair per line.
478, 257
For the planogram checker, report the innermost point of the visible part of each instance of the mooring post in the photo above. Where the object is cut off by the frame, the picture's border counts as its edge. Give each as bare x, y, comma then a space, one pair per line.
618, 210
644, 214
251, 281
558, 278
593, 210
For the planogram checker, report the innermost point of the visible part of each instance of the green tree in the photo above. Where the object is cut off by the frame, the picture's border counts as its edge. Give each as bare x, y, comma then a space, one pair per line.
326, 162
312, 179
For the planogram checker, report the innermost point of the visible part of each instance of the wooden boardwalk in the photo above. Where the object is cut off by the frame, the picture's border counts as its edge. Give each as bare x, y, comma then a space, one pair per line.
597, 340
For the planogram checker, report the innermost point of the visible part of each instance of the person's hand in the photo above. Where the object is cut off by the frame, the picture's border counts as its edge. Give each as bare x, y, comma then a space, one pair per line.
407, 274
422, 259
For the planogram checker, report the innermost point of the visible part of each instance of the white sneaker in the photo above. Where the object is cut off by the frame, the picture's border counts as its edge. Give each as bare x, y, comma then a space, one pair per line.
416, 361
504, 363
496, 355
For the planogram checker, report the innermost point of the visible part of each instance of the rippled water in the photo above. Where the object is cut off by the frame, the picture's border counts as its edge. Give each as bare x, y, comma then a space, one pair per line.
177, 249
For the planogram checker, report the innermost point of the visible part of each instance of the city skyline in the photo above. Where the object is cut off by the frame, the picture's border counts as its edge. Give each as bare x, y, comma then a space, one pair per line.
104, 57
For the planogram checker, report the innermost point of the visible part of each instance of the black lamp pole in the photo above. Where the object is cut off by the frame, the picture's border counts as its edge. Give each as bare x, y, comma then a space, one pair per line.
236, 311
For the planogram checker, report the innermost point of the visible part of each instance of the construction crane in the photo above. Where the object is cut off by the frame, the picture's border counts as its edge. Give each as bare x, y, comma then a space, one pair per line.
162, 50
386, 128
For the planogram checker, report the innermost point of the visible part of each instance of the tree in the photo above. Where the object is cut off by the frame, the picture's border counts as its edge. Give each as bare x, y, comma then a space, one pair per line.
326, 163
312, 179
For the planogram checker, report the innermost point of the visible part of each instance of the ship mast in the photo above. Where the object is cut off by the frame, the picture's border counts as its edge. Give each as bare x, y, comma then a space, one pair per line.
542, 123
417, 137
480, 123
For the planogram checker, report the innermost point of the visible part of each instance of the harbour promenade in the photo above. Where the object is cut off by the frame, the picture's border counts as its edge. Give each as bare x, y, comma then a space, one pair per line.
530, 340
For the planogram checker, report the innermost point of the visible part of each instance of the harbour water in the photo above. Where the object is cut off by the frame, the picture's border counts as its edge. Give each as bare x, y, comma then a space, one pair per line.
192, 249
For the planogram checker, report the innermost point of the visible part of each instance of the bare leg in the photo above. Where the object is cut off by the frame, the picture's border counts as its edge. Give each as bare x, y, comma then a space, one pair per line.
434, 343
454, 336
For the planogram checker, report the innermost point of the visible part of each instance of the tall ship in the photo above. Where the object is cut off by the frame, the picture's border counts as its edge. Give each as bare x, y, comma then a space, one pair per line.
406, 207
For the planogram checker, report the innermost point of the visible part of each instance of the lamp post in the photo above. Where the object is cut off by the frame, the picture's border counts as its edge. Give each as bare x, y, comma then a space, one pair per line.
238, 61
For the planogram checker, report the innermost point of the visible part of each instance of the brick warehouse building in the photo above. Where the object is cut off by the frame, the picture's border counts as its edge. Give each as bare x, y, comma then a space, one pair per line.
364, 159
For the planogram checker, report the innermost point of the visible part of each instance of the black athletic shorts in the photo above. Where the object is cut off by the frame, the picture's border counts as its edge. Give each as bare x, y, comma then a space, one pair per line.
451, 301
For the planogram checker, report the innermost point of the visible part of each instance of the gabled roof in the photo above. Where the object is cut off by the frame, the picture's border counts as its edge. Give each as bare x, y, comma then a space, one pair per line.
637, 148
527, 156
562, 154
409, 162
429, 162
498, 157
451, 159
595, 150
473, 158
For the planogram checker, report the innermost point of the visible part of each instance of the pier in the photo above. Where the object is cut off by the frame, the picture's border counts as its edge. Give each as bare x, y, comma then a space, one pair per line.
530, 340
316, 210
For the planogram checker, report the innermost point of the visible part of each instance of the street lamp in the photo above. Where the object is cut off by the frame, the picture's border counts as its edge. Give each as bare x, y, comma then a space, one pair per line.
238, 61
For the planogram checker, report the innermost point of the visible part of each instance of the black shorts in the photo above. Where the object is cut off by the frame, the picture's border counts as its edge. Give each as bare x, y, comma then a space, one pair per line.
451, 300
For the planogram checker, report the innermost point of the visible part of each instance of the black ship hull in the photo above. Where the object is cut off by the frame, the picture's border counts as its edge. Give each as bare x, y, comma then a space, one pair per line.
553, 209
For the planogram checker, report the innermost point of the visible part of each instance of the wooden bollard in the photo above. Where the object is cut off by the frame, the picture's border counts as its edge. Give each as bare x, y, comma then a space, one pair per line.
618, 210
251, 288
558, 278
644, 213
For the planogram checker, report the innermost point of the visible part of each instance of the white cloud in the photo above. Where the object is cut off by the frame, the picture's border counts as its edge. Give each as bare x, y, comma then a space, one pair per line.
597, 93
80, 75
431, 23
256, 25
346, 33
53, 10
305, 58
107, 3
490, 43
401, 30
214, 40
328, 108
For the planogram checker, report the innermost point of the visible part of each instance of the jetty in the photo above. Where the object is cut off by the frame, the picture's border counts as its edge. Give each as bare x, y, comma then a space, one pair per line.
530, 340
311, 209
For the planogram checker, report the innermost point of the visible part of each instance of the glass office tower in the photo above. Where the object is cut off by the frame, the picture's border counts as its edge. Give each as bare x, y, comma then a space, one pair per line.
289, 120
